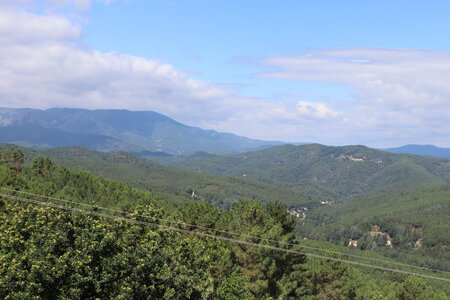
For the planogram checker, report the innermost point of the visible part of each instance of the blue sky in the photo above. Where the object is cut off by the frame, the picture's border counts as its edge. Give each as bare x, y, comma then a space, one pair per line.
221, 41
333, 72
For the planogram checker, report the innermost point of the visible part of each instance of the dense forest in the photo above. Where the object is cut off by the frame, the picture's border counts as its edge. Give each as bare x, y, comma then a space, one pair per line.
173, 185
47, 252
320, 170
395, 214
413, 226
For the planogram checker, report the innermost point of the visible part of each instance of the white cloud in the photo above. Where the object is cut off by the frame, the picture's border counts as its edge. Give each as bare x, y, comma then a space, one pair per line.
79, 5
316, 110
43, 65
6, 4
21, 27
401, 94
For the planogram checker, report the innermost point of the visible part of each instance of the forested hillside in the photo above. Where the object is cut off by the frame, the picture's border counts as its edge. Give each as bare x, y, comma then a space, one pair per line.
39, 137
340, 222
342, 171
173, 185
51, 253
413, 225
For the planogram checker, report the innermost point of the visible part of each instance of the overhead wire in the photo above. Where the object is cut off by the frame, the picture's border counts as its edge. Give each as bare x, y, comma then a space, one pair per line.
226, 232
53, 205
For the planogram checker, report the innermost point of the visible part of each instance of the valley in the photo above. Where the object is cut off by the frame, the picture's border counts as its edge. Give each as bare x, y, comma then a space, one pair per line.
224, 150
337, 172
349, 205
30, 233
320, 213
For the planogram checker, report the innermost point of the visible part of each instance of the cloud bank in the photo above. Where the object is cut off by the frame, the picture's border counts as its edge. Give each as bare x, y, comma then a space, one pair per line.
402, 94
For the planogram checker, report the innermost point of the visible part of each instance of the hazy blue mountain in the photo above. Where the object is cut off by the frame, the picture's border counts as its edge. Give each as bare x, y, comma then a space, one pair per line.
427, 150
39, 137
113, 130
151, 153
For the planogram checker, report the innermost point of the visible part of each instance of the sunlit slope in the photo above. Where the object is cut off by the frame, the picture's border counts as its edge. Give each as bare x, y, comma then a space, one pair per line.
344, 171
50, 252
416, 223
170, 183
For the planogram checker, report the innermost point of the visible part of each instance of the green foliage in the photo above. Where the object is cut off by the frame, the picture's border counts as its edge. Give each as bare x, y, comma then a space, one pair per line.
172, 185
42, 166
50, 253
416, 222
12, 157
324, 172
233, 287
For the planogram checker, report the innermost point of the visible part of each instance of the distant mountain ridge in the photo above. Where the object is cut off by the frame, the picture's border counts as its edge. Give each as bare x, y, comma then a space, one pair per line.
115, 130
425, 150
174, 185
343, 171
39, 137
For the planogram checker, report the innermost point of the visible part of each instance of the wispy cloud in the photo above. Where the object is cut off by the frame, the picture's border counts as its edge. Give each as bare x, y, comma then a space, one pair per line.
24, 28
401, 93
43, 64
316, 110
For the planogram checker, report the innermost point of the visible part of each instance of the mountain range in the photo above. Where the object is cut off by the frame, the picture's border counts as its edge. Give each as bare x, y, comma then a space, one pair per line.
171, 185
337, 193
342, 171
115, 130
241, 255
144, 133
380, 203
426, 150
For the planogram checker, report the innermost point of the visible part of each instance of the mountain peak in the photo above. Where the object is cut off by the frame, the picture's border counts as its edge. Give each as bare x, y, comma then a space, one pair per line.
425, 150
115, 130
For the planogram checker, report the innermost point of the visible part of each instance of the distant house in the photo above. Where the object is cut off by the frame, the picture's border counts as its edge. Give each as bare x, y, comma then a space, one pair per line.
376, 231
326, 202
299, 212
416, 228
352, 243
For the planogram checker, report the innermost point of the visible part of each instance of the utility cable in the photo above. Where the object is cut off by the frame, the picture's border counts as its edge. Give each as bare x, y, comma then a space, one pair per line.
53, 205
226, 232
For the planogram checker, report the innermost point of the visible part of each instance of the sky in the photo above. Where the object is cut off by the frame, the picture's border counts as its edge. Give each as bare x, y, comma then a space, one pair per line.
333, 72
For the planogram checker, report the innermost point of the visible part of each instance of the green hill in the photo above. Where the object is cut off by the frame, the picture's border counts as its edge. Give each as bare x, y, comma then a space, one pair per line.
322, 222
342, 171
51, 253
416, 222
168, 183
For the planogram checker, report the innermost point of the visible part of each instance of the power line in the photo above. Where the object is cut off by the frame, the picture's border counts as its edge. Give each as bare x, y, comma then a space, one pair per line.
216, 237
226, 232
